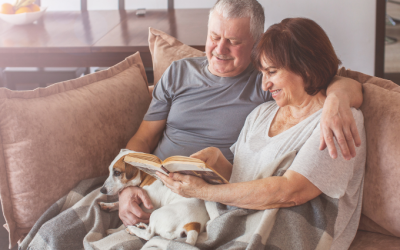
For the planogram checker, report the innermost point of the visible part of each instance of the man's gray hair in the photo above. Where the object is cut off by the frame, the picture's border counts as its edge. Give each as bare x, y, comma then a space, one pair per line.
242, 8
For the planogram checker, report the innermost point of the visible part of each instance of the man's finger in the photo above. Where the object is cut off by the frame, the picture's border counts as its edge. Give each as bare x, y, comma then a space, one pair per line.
137, 211
128, 219
328, 135
322, 144
144, 197
350, 142
131, 220
356, 135
341, 140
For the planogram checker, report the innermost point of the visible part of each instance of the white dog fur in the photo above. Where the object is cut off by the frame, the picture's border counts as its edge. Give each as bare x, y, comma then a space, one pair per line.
173, 216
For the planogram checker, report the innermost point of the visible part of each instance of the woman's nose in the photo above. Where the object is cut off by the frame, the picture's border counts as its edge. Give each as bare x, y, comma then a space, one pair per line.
266, 85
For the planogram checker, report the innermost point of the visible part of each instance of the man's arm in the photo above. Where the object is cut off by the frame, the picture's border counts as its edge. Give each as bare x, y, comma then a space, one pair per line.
337, 119
145, 140
147, 137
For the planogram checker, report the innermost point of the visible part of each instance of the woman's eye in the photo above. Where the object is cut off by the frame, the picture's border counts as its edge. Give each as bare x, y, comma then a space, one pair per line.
272, 72
117, 173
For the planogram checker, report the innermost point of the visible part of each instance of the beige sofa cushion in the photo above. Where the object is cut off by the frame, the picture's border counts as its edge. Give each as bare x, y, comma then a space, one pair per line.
381, 203
374, 241
45, 135
165, 49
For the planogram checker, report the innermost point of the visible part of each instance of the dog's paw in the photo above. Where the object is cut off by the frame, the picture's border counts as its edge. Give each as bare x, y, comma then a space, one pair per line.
141, 225
104, 206
129, 230
108, 207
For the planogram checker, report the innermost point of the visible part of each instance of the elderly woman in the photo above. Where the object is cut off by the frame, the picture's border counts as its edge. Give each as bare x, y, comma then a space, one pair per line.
298, 62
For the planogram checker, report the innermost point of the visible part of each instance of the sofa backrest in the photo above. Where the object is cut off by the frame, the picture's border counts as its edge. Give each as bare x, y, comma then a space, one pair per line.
381, 203
51, 138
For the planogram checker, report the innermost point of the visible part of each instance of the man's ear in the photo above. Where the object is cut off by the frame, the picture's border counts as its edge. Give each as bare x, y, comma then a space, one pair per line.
130, 171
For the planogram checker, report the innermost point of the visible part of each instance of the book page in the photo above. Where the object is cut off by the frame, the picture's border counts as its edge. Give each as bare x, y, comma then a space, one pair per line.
174, 166
208, 176
196, 169
146, 166
182, 158
146, 157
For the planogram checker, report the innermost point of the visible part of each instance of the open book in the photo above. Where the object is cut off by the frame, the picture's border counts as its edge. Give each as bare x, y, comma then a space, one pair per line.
175, 164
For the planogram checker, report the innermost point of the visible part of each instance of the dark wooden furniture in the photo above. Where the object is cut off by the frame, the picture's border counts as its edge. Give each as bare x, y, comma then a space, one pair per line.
95, 38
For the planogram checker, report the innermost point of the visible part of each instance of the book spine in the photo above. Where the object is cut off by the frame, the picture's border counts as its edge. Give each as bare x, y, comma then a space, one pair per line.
166, 170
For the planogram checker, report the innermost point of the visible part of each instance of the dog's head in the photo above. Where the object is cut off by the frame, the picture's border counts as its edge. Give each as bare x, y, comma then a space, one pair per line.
121, 175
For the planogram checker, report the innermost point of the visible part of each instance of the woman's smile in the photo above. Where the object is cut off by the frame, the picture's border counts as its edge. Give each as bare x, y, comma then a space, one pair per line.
275, 92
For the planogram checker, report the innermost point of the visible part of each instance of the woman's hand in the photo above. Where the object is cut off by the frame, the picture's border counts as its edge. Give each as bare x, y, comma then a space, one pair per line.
214, 158
208, 155
185, 185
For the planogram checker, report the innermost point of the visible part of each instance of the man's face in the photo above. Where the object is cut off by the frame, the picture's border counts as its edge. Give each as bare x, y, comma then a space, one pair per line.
229, 44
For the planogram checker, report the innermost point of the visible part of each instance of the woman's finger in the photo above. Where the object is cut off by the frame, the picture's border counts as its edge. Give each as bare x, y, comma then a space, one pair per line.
167, 181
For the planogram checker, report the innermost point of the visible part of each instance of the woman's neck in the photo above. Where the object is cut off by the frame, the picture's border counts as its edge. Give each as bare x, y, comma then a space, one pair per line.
306, 107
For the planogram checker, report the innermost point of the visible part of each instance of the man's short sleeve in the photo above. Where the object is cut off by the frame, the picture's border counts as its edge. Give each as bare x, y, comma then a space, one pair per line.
162, 97
331, 176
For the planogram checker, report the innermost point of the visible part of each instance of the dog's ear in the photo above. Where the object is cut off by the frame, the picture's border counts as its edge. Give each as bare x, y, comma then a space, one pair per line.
130, 171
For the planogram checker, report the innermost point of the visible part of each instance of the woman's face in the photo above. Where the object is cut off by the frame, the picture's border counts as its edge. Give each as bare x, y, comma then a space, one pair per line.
286, 87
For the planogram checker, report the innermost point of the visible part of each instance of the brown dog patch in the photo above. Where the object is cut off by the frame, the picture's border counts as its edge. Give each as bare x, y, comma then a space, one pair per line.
146, 179
192, 226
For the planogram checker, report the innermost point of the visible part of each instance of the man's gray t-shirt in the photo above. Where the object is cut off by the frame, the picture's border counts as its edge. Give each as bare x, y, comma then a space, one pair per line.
336, 178
202, 109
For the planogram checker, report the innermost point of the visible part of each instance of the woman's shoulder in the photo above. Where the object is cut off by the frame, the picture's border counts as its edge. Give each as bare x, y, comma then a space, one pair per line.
358, 115
262, 111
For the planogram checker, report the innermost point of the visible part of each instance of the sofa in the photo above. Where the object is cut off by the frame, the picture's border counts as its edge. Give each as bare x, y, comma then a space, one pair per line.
51, 138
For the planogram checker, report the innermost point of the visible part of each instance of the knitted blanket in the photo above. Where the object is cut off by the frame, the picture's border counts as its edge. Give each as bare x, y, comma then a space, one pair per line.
76, 222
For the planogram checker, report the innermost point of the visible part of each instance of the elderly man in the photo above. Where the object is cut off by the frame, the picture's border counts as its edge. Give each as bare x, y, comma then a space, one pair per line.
202, 102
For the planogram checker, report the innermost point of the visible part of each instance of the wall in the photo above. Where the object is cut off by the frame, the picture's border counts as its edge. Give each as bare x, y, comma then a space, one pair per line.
349, 24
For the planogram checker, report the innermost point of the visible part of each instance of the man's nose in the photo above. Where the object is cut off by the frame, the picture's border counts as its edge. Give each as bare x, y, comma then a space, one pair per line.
222, 47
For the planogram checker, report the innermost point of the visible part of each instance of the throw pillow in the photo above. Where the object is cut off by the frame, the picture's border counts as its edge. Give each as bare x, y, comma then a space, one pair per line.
51, 138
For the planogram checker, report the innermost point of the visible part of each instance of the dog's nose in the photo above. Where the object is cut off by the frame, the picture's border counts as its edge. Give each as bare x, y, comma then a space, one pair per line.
103, 190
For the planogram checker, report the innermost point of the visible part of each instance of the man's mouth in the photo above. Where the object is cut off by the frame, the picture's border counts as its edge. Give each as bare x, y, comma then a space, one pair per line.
222, 57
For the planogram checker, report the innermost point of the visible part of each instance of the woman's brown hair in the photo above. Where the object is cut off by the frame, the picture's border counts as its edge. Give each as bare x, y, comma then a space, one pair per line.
299, 45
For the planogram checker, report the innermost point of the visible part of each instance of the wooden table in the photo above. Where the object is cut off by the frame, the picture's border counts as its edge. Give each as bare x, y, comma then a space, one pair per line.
95, 38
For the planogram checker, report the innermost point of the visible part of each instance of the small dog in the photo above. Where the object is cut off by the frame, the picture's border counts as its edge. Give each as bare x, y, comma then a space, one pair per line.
173, 216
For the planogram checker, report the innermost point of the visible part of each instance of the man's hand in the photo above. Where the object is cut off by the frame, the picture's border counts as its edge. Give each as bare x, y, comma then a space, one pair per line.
337, 121
129, 210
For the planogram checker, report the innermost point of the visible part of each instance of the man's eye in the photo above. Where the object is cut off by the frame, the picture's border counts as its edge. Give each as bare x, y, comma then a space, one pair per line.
215, 38
117, 173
